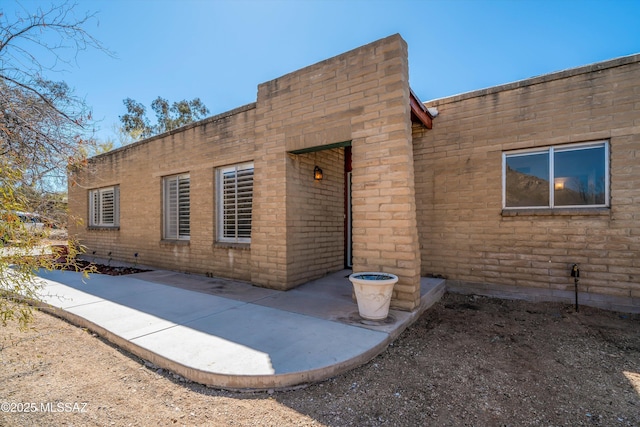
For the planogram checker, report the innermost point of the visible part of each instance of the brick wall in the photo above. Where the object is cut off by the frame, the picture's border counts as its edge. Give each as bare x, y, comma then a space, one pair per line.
139, 168
315, 241
300, 120
361, 96
424, 201
463, 232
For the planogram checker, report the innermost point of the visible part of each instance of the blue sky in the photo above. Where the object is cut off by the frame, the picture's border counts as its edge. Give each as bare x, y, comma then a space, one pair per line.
220, 50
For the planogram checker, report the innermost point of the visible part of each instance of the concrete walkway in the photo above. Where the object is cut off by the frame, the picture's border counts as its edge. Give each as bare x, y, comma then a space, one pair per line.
229, 334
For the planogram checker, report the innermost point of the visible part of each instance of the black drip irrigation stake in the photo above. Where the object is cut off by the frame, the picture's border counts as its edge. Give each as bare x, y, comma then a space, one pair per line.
575, 273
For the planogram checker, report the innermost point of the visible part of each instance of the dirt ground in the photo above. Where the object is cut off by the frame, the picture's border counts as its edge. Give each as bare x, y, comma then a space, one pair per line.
468, 361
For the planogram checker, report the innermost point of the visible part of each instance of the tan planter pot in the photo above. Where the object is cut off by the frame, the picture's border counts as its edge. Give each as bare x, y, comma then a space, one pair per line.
373, 293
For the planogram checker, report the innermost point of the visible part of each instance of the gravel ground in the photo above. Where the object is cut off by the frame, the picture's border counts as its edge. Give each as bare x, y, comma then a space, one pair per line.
468, 361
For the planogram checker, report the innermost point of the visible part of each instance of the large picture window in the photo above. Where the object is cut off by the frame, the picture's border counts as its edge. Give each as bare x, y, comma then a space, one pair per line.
557, 177
235, 203
104, 207
176, 207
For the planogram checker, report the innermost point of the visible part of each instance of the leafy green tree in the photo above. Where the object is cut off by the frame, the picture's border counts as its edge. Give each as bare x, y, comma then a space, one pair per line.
44, 130
168, 116
135, 122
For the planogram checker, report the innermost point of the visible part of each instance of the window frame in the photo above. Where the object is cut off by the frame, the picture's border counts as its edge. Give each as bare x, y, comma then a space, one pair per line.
550, 151
168, 234
220, 205
97, 211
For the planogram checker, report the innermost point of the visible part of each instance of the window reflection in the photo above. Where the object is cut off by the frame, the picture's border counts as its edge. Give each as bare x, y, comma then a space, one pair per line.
580, 177
578, 173
527, 180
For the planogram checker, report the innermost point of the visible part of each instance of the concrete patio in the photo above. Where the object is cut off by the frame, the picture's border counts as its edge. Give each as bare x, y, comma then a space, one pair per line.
230, 334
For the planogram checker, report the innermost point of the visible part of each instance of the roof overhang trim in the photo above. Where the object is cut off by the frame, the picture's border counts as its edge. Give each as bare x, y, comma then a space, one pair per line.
419, 112
321, 147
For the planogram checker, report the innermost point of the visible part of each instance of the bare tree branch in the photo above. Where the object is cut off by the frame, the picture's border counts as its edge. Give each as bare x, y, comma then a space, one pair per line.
42, 123
44, 128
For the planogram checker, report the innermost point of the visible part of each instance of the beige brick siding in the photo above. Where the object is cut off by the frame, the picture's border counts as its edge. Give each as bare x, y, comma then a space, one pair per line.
139, 168
315, 239
458, 165
298, 230
361, 96
423, 201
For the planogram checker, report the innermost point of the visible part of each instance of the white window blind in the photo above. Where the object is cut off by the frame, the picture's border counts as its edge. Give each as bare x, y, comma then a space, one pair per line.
235, 203
104, 206
177, 214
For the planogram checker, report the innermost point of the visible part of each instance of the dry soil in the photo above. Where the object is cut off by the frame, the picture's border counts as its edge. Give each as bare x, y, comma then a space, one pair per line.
468, 361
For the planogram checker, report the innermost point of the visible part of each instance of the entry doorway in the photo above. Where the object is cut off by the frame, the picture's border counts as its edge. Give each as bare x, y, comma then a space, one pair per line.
348, 226
348, 222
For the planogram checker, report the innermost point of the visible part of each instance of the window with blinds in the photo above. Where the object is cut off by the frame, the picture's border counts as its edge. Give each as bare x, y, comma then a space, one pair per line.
176, 207
235, 202
104, 207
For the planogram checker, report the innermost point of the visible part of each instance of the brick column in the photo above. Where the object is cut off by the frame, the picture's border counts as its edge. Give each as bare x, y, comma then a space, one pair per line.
385, 235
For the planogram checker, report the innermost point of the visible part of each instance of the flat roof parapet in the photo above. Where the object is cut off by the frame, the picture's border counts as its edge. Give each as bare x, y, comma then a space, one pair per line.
211, 119
557, 75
